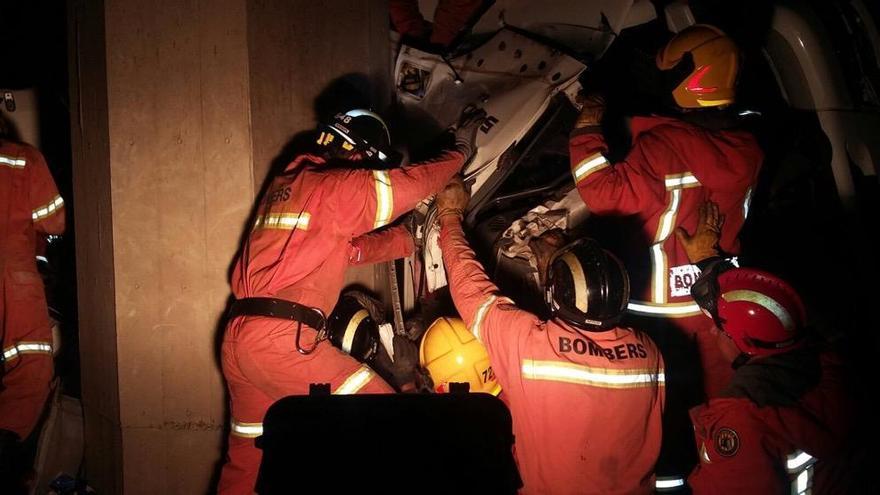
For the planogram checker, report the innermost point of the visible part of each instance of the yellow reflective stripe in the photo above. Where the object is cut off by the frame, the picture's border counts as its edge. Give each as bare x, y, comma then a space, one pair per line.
668, 482
351, 329
795, 461
765, 302
588, 165
680, 181
658, 255
666, 310
48, 209
563, 371
803, 483
12, 162
246, 430
477, 326
15, 350
747, 202
283, 221
355, 381
579, 280
384, 198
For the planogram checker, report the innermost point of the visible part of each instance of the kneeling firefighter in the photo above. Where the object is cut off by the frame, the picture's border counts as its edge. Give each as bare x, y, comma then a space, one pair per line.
290, 271
586, 395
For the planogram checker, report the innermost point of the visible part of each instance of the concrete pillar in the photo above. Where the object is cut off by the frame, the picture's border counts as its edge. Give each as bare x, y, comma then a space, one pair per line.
179, 108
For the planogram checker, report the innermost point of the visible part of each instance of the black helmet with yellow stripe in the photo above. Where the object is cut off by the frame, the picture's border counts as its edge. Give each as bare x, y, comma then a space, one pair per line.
351, 328
357, 130
587, 286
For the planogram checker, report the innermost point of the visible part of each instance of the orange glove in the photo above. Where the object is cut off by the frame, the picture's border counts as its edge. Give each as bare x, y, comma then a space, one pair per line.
704, 243
592, 111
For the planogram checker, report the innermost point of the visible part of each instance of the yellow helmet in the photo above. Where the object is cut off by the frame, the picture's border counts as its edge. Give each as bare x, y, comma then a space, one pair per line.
711, 80
451, 353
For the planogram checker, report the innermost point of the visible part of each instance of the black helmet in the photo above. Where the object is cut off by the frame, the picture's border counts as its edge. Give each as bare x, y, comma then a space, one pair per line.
351, 328
360, 130
586, 286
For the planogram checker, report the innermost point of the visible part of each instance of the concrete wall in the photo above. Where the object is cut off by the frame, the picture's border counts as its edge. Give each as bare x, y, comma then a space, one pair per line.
179, 108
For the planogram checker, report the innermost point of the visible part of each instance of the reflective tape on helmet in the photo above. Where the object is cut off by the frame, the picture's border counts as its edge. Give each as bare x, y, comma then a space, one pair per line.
47, 209
283, 221
246, 430
667, 310
668, 483
384, 198
355, 381
581, 300
351, 329
20, 348
567, 372
765, 302
12, 162
587, 166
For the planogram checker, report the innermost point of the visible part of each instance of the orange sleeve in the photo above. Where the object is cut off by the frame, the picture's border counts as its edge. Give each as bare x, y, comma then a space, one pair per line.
365, 200
46, 204
492, 318
381, 245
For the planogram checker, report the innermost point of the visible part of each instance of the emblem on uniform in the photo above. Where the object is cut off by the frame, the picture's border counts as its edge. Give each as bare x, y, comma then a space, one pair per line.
726, 442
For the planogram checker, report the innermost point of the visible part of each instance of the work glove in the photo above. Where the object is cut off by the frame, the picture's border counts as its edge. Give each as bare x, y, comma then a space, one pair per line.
400, 372
592, 111
453, 199
465, 130
704, 243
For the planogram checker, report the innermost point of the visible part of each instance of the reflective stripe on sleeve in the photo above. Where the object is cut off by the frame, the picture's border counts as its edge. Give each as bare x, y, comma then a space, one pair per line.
246, 430
747, 202
799, 465
667, 310
12, 162
681, 181
48, 209
564, 371
355, 381
587, 166
15, 350
283, 221
480, 315
668, 483
384, 198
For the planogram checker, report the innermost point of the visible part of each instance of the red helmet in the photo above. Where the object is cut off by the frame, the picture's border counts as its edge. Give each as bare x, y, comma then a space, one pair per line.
759, 311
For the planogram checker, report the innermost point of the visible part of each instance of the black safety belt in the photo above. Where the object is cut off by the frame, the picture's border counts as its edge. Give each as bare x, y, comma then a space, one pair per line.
285, 310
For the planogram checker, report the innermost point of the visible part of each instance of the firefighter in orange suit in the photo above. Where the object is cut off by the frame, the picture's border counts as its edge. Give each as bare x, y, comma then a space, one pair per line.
784, 423
585, 394
290, 272
29, 205
674, 165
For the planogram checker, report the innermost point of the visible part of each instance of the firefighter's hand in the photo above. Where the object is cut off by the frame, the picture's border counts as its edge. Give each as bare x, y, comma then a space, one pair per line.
453, 199
592, 111
704, 243
465, 130
401, 371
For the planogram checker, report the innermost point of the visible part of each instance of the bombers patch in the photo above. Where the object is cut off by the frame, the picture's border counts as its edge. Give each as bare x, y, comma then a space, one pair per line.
726, 442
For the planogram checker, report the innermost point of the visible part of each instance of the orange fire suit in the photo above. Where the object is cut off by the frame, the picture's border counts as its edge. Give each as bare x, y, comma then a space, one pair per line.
763, 436
672, 169
586, 406
450, 17
29, 204
298, 250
